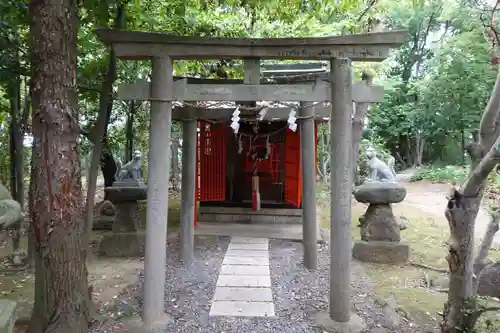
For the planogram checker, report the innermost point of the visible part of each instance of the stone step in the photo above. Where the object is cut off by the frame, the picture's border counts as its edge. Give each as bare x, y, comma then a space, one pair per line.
250, 247
249, 219
244, 281
247, 253
242, 309
247, 270
243, 294
251, 261
249, 211
249, 240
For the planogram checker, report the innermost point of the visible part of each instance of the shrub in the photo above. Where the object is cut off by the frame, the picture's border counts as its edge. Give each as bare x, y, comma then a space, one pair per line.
445, 174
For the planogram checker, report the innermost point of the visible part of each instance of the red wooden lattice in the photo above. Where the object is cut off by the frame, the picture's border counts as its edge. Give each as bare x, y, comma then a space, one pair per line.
212, 162
293, 172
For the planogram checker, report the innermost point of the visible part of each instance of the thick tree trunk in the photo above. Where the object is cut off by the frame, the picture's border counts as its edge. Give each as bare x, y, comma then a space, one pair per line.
61, 291
461, 213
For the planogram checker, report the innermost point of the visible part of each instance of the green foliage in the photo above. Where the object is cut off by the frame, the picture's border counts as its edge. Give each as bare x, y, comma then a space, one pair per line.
473, 309
438, 83
448, 173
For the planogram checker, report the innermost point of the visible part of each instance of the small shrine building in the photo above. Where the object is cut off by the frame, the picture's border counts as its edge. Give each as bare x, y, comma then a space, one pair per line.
251, 155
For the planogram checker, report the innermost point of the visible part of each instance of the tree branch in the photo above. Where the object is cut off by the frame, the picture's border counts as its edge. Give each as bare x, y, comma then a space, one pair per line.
473, 184
489, 235
488, 121
367, 9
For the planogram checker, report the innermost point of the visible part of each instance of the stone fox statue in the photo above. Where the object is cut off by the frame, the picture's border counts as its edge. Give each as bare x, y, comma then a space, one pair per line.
378, 170
131, 170
10, 210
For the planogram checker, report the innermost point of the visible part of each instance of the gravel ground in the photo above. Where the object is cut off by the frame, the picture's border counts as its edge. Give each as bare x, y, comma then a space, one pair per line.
297, 293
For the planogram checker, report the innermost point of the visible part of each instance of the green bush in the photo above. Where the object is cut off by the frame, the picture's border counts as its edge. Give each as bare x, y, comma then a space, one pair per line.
456, 173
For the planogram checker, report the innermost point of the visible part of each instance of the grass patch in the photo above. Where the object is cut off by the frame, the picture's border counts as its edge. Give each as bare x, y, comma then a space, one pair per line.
427, 238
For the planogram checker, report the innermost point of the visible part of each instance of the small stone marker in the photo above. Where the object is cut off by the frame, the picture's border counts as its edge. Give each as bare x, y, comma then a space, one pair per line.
7, 318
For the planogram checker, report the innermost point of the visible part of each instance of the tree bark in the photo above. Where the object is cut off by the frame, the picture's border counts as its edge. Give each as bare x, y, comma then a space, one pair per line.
61, 291
358, 123
16, 159
482, 254
129, 133
419, 149
176, 170
461, 213
105, 107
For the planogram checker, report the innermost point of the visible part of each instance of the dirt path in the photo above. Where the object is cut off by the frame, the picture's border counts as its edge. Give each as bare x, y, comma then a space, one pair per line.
431, 199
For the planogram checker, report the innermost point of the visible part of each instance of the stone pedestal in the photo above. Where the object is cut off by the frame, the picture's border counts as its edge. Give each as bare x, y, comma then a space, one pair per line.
123, 244
127, 218
381, 252
126, 200
380, 231
127, 238
104, 216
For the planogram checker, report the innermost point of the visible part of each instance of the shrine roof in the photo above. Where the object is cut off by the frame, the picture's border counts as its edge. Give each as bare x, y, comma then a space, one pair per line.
144, 45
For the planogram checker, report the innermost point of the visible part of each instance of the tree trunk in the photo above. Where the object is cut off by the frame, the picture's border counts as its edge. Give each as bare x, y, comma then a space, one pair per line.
105, 108
174, 176
482, 254
419, 150
461, 213
129, 132
108, 165
16, 160
463, 146
61, 291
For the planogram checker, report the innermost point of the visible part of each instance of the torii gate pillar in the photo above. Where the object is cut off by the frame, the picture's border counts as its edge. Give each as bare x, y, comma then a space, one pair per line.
158, 176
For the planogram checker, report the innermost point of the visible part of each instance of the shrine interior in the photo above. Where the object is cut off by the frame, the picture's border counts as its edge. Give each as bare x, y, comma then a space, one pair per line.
227, 162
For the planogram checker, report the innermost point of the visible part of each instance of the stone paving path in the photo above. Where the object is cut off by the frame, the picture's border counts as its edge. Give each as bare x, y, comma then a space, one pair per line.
244, 284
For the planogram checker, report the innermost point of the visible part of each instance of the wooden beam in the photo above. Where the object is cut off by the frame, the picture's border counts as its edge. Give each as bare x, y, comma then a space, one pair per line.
145, 45
307, 92
292, 66
289, 72
216, 114
141, 51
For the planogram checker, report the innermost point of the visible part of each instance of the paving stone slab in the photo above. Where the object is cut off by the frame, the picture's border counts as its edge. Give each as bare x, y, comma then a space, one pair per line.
253, 261
243, 294
247, 253
252, 246
244, 270
242, 309
244, 281
249, 240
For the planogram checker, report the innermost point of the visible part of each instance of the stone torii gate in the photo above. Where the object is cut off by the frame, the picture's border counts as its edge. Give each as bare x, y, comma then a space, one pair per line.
162, 49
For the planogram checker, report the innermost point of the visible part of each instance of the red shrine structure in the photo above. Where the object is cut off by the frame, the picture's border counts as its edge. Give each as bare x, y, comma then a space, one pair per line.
269, 153
228, 162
